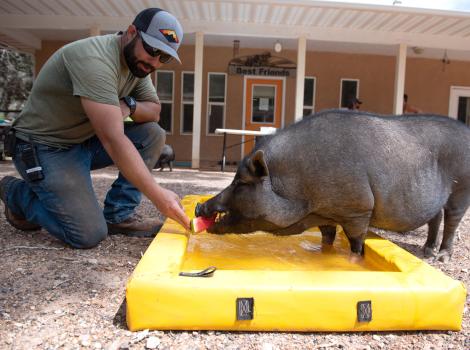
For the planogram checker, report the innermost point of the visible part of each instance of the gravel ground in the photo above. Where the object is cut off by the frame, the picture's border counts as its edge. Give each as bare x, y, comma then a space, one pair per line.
54, 297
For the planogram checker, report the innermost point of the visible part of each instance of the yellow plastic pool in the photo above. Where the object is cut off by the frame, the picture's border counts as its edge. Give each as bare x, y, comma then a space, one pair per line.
287, 283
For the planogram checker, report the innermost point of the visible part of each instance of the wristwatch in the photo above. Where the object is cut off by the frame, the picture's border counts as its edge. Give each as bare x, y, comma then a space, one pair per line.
131, 103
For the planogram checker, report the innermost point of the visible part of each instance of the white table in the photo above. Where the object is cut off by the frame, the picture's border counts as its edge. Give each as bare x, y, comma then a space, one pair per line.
262, 132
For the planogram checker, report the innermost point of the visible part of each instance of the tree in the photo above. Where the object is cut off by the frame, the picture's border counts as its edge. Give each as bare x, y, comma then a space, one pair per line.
16, 79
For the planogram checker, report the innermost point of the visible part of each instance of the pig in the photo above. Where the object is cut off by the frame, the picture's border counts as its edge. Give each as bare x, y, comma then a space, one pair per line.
166, 158
353, 169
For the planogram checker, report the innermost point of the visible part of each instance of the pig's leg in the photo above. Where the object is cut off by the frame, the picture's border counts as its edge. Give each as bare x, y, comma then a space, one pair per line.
328, 234
433, 231
356, 231
453, 213
171, 165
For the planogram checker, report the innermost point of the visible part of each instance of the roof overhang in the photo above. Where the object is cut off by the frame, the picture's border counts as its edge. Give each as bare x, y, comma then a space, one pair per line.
25, 24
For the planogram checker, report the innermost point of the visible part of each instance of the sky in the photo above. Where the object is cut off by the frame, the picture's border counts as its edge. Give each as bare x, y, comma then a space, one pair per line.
455, 5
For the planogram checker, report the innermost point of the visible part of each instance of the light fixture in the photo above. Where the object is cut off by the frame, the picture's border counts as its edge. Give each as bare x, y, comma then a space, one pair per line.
277, 46
236, 47
417, 50
445, 61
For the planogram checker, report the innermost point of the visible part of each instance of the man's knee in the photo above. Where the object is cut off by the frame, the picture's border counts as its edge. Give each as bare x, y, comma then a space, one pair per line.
157, 135
88, 236
152, 143
152, 134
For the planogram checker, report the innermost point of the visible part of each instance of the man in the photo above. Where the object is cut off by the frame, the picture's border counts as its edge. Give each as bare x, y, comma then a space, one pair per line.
409, 109
73, 123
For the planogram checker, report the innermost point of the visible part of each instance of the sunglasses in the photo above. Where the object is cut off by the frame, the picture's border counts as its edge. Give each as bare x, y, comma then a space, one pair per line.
162, 56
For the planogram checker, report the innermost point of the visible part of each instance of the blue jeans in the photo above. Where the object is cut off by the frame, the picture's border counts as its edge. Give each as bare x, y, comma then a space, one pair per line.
64, 202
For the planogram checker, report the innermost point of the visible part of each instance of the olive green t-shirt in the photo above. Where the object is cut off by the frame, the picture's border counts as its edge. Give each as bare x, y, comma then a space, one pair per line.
92, 68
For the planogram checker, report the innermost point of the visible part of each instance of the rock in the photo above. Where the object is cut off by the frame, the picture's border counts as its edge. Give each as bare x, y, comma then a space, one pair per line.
97, 345
92, 261
85, 340
152, 342
267, 346
124, 346
141, 336
376, 337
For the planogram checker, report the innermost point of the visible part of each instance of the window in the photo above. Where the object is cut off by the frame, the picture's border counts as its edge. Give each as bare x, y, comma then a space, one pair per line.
216, 102
188, 102
309, 96
463, 112
349, 89
263, 104
164, 85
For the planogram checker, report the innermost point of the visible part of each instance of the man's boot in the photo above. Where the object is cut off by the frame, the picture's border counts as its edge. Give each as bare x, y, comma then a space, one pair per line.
136, 226
17, 221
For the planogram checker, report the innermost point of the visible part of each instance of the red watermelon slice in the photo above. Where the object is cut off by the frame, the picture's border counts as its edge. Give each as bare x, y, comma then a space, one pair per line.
200, 223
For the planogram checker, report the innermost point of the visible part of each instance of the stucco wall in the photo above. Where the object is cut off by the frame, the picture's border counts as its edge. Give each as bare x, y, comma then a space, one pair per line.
427, 85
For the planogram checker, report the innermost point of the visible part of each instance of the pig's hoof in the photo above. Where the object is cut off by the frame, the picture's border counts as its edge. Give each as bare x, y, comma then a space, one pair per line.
327, 248
443, 256
355, 258
327, 240
429, 252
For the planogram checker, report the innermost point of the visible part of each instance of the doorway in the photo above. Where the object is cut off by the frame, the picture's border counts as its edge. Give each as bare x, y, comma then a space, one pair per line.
263, 106
459, 103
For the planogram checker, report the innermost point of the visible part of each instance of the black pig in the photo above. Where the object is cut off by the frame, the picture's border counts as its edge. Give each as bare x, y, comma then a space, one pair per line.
166, 158
353, 169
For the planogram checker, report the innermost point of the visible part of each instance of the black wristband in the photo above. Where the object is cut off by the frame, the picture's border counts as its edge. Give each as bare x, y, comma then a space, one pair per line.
131, 103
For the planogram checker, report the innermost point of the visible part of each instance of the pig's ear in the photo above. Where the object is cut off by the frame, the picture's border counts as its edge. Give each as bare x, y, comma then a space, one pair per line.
257, 164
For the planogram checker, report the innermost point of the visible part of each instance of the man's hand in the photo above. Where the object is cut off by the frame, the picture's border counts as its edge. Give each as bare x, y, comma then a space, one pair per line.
169, 205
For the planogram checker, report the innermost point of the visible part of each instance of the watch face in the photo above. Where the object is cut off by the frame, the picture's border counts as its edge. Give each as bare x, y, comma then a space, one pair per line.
131, 103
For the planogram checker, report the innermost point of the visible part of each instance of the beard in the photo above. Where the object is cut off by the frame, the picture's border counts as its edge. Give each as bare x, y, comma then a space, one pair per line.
132, 61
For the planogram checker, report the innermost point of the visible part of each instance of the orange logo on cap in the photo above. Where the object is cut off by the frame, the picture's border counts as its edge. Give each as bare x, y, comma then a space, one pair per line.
170, 35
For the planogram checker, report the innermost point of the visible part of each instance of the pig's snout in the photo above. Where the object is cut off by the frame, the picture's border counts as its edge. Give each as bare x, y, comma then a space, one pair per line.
208, 209
198, 211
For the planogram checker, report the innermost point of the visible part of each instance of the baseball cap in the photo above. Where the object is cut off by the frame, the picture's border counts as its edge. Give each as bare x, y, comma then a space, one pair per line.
160, 29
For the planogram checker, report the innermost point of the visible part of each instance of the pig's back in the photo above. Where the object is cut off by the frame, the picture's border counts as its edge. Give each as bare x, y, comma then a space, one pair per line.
405, 166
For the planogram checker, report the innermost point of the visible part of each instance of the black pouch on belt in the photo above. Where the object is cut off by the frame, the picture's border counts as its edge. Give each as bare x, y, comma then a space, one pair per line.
9, 142
30, 159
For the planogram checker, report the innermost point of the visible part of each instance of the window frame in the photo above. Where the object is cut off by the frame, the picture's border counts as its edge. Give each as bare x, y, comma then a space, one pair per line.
172, 96
314, 78
183, 103
341, 89
224, 104
275, 105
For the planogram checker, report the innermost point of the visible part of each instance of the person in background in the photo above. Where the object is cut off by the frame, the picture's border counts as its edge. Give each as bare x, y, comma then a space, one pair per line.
73, 122
409, 109
353, 103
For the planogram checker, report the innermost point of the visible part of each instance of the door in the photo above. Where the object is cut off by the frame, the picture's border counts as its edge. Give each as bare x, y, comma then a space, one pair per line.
263, 106
459, 104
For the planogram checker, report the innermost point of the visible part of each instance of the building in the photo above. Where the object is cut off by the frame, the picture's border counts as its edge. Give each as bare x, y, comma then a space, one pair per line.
255, 63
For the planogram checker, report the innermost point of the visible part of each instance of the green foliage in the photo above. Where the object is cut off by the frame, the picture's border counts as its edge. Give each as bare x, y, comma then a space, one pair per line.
16, 79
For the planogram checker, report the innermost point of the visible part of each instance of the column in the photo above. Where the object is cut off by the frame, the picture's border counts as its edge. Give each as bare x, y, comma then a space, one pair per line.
95, 30
400, 72
198, 64
300, 77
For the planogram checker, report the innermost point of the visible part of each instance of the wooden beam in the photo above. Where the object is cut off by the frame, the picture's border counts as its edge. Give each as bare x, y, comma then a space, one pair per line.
23, 37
